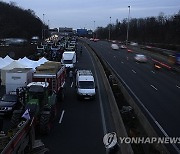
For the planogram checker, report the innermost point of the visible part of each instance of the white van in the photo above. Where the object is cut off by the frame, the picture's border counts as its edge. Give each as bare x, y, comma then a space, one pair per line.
69, 59
85, 84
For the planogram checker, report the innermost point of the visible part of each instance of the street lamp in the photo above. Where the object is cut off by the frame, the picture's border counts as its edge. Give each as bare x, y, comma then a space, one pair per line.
94, 31
43, 28
110, 29
128, 26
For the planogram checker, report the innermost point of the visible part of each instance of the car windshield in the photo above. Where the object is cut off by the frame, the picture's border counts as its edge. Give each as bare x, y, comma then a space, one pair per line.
86, 84
9, 98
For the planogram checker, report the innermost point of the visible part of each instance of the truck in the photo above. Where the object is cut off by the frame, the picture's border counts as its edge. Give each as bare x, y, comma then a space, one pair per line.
69, 59
85, 85
41, 95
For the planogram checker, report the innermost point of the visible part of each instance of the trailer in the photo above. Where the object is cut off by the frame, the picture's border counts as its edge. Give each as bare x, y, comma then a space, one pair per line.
54, 73
21, 140
18, 77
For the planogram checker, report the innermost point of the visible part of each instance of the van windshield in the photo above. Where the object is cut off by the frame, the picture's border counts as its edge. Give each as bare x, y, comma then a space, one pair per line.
86, 84
67, 61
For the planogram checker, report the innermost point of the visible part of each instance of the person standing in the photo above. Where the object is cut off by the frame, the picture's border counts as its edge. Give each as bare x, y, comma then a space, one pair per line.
71, 76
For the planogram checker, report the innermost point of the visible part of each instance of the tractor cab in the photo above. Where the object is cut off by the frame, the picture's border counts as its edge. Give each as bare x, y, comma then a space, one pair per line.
37, 94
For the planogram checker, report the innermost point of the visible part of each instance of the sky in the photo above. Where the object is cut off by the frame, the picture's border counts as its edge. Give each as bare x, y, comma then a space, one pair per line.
90, 14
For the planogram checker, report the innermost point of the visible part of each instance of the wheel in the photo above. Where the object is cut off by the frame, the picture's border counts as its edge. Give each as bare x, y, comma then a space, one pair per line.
16, 118
44, 123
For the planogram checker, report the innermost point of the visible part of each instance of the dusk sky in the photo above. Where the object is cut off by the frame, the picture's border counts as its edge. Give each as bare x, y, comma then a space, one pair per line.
83, 13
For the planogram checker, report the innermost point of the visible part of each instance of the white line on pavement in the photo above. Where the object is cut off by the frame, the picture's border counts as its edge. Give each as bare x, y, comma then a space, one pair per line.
133, 71
62, 114
154, 87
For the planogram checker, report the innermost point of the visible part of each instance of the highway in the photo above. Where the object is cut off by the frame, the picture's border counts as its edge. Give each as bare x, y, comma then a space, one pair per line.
81, 125
158, 91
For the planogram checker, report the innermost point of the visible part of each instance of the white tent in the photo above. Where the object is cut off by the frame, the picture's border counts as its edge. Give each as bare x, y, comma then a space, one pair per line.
8, 59
3, 63
13, 64
42, 60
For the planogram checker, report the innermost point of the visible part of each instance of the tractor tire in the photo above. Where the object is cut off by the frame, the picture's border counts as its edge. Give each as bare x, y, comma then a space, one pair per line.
16, 118
45, 123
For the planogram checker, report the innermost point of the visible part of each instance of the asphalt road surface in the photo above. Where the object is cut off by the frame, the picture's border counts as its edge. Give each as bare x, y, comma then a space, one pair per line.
158, 91
81, 125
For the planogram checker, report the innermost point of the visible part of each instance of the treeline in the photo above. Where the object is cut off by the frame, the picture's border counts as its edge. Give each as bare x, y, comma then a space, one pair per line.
16, 22
162, 29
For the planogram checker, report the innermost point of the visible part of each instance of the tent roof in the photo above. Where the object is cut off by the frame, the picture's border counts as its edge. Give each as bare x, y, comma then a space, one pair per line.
14, 64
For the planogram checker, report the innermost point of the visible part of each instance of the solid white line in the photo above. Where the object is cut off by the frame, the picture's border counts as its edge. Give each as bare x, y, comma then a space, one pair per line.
154, 87
62, 114
133, 71
71, 84
152, 117
178, 86
100, 97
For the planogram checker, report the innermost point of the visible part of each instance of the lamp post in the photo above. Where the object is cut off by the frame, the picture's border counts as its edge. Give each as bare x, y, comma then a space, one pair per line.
94, 31
43, 28
128, 26
110, 29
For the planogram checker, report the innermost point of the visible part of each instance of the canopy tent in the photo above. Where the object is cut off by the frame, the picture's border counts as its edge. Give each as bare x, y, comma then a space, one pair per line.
3, 63
13, 64
29, 63
8, 59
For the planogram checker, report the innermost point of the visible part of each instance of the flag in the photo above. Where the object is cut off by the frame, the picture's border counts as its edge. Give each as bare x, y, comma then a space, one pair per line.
26, 115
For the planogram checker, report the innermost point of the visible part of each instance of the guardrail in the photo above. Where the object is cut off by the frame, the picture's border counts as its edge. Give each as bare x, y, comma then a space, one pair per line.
117, 119
139, 109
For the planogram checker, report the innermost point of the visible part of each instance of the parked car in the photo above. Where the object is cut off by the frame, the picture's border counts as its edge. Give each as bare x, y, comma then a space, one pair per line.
8, 103
114, 46
140, 58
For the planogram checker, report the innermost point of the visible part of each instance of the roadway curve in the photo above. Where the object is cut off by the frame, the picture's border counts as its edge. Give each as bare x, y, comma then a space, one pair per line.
159, 91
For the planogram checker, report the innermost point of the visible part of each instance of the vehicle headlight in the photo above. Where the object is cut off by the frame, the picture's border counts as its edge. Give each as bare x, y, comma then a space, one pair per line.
9, 108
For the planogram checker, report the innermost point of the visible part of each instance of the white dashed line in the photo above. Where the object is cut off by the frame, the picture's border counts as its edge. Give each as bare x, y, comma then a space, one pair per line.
72, 84
62, 114
178, 86
122, 62
153, 72
133, 71
154, 87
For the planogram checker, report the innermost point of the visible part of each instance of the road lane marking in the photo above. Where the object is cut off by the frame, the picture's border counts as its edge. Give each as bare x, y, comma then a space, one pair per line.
153, 72
72, 84
134, 71
62, 114
127, 58
100, 98
154, 87
137, 62
148, 112
122, 62
178, 86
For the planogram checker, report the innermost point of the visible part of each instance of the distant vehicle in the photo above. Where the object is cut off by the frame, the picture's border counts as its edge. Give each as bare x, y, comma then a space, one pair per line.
35, 40
123, 47
69, 59
140, 58
114, 46
95, 40
8, 103
85, 84
134, 44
